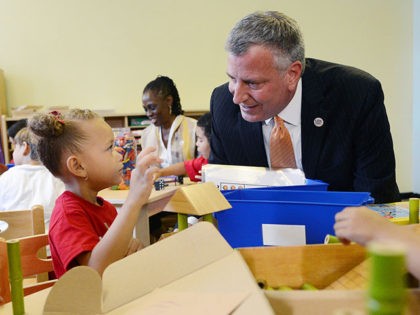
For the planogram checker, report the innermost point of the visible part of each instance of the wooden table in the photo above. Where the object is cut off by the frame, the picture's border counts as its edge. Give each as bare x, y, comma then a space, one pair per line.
156, 203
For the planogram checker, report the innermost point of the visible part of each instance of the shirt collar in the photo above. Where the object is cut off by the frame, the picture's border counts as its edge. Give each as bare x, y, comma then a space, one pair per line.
291, 113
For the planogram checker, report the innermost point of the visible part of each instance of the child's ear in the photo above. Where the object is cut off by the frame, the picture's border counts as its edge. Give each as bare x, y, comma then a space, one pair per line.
75, 166
27, 148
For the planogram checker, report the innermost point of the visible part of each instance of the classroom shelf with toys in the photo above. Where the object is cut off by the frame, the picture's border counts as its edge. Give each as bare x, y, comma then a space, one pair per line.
136, 122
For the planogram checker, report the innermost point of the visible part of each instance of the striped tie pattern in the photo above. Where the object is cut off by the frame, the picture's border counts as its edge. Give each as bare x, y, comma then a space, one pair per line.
281, 147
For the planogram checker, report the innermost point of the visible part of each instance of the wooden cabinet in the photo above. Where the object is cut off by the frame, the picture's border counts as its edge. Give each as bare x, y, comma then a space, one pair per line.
136, 122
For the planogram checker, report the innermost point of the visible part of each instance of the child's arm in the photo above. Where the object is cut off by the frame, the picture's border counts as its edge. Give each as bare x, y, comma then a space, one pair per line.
174, 169
117, 242
363, 225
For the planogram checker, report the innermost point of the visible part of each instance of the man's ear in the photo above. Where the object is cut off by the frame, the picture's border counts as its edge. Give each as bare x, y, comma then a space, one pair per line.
294, 71
75, 167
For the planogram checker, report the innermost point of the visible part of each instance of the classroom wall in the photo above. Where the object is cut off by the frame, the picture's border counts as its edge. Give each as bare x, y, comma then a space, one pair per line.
416, 96
100, 54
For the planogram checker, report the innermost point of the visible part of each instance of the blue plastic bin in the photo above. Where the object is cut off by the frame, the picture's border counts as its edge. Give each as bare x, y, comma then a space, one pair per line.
241, 226
311, 184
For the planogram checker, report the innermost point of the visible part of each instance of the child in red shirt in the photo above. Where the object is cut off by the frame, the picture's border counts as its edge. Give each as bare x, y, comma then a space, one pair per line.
84, 228
193, 167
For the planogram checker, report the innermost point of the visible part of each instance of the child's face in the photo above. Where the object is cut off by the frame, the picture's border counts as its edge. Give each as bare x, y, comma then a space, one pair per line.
101, 161
202, 143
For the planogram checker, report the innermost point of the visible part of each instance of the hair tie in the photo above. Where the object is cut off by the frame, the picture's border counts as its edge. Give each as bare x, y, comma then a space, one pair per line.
57, 116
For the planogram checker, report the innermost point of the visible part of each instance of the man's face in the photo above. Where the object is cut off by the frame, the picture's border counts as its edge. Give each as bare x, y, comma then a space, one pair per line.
257, 86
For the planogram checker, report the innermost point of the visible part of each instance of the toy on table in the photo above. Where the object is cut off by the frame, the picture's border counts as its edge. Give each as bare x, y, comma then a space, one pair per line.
125, 144
201, 199
386, 293
164, 181
399, 212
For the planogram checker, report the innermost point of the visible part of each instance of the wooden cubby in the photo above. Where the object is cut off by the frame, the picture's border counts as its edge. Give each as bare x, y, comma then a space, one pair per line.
132, 121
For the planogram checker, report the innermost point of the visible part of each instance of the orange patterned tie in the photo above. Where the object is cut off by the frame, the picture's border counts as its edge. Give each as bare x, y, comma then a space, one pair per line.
281, 147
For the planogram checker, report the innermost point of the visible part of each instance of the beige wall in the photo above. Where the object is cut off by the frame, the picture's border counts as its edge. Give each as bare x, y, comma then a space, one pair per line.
100, 53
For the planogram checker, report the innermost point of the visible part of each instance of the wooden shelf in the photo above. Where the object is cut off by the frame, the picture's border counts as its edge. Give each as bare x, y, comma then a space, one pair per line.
115, 120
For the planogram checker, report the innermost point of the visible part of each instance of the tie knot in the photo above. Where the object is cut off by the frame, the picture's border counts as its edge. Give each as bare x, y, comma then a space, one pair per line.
278, 122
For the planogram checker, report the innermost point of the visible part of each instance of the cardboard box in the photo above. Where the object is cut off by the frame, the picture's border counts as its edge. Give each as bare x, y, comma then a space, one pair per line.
282, 217
321, 266
192, 272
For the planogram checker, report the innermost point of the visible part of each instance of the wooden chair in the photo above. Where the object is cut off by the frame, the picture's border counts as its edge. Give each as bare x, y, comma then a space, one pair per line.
23, 222
4, 138
32, 263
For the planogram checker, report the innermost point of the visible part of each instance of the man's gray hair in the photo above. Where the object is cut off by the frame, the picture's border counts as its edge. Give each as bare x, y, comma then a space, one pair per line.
273, 30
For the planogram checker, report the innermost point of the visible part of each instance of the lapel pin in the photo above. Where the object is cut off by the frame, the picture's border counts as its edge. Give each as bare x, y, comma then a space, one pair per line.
318, 122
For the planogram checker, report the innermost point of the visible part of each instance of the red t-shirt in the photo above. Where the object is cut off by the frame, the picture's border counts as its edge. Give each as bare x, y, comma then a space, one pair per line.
76, 226
193, 167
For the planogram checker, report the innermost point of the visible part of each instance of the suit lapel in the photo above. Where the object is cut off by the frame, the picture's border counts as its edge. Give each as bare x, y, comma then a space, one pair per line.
314, 116
253, 142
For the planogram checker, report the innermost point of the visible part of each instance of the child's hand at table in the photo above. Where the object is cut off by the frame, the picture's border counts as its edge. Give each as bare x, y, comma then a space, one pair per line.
198, 177
134, 246
361, 225
142, 177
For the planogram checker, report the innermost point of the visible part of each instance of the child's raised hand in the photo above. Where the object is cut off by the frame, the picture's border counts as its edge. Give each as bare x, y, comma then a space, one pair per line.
142, 177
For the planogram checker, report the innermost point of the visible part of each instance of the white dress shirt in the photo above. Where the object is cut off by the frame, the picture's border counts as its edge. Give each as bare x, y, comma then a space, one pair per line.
291, 117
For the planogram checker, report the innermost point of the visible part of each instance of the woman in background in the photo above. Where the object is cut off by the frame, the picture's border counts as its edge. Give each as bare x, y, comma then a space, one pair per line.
170, 132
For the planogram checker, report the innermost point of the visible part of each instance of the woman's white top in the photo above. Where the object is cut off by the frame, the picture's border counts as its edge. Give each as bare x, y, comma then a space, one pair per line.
181, 141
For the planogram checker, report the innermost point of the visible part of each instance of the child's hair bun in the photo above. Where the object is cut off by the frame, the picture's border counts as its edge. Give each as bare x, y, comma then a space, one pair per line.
46, 125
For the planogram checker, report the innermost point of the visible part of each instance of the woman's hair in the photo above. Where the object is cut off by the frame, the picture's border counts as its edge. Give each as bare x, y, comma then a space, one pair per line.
57, 134
24, 136
205, 122
274, 30
164, 86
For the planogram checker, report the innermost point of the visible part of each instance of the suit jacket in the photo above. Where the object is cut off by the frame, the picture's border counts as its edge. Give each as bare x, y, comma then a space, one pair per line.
351, 151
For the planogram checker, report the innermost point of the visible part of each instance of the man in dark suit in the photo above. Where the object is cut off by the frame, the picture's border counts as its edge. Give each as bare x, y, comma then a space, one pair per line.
335, 114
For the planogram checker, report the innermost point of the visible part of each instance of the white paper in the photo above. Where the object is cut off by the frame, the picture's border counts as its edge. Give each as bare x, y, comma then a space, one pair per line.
229, 177
283, 235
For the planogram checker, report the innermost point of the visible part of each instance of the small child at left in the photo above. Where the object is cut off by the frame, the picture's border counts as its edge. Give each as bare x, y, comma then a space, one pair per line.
85, 229
29, 183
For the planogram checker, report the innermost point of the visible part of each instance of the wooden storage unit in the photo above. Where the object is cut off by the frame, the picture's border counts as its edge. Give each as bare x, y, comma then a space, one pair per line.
293, 266
130, 120
339, 272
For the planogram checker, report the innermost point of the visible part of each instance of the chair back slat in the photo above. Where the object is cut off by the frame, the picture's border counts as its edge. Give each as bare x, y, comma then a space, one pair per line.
33, 262
23, 222
28, 227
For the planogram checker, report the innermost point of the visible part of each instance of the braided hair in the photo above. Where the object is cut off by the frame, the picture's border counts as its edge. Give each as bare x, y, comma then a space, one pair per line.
165, 86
